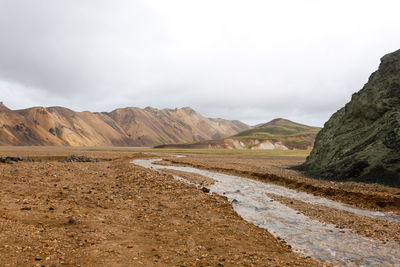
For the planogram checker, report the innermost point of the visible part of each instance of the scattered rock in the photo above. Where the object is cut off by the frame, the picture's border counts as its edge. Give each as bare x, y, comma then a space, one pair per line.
11, 160
76, 158
205, 189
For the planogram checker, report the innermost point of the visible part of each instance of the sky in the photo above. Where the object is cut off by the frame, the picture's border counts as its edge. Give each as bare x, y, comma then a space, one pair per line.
252, 60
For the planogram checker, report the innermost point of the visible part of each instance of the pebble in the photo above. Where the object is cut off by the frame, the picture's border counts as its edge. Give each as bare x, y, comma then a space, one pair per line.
205, 190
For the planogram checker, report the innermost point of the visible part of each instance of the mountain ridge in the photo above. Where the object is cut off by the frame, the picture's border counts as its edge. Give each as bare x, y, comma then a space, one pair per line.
129, 126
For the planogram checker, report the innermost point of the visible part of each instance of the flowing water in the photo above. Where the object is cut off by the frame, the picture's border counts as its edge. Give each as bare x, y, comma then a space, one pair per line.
180, 156
321, 241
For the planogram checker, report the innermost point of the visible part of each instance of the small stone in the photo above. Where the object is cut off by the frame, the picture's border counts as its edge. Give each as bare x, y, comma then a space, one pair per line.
26, 208
205, 190
72, 221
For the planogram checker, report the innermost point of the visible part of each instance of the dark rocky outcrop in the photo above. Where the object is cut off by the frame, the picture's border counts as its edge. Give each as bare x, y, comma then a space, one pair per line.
361, 141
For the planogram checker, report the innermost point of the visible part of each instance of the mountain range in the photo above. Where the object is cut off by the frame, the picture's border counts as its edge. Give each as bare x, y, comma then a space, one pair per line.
59, 126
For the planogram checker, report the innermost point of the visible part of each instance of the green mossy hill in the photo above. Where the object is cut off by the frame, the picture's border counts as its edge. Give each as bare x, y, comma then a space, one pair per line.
361, 141
291, 134
279, 127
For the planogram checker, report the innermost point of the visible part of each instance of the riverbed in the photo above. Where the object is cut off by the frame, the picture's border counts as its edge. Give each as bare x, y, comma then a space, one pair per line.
322, 241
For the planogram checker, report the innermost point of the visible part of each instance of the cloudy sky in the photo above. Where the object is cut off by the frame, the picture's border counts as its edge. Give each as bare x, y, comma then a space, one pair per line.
250, 60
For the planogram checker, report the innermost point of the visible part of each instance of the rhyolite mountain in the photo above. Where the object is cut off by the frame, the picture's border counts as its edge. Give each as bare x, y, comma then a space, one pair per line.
279, 134
58, 126
361, 141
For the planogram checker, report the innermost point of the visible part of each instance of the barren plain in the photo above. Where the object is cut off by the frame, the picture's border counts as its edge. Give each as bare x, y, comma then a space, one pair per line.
59, 211
83, 207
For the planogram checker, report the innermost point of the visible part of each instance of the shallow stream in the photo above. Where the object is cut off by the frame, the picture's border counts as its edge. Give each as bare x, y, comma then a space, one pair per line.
321, 241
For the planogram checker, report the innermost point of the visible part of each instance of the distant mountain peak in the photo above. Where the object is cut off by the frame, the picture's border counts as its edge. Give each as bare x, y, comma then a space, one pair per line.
3, 107
277, 120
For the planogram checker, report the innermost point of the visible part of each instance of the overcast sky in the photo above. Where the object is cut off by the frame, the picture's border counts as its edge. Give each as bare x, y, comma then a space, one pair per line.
247, 60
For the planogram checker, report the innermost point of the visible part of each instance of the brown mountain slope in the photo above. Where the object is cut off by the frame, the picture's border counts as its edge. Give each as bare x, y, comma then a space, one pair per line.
121, 127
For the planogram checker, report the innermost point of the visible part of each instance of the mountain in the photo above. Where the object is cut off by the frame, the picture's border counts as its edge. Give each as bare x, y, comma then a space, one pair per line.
278, 134
58, 126
361, 141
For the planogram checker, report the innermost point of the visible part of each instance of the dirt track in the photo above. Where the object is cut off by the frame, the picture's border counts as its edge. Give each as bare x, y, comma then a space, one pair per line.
113, 213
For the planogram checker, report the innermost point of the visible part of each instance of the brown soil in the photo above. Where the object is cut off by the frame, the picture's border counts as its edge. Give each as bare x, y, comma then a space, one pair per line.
275, 170
113, 213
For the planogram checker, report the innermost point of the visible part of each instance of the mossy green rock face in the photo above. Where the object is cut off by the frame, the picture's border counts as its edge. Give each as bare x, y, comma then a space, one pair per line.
361, 141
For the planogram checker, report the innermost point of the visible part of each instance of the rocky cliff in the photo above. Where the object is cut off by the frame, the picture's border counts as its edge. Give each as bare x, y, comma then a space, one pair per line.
361, 141
121, 127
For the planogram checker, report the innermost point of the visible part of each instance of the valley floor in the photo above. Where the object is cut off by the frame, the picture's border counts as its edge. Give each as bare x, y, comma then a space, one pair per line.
59, 210
54, 212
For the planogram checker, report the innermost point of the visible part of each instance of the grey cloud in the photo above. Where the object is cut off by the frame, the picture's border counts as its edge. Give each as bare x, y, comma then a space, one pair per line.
255, 61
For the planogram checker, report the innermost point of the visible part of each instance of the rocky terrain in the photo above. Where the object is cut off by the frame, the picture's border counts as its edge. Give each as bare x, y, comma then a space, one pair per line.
361, 141
69, 206
280, 134
98, 209
58, 126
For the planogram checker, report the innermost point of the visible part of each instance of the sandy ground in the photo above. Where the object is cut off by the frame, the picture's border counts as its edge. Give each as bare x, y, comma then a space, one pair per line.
54, 212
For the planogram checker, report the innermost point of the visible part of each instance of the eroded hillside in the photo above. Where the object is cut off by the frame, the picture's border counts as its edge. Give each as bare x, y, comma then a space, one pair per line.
122, 127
